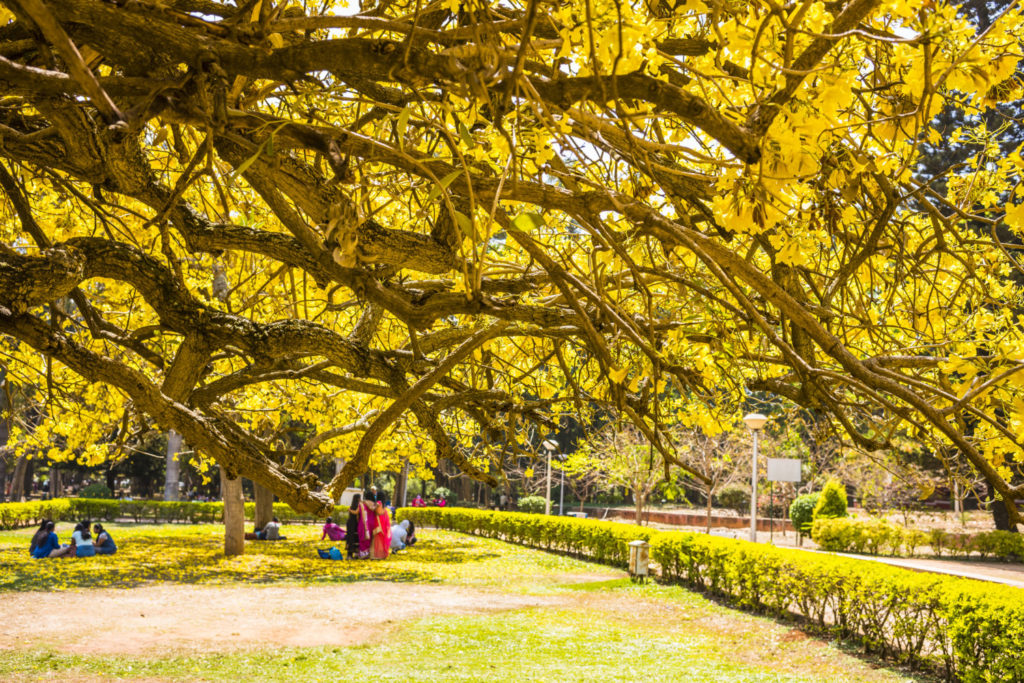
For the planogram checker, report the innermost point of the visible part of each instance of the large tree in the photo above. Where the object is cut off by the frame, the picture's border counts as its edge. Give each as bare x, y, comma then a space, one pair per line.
474, 215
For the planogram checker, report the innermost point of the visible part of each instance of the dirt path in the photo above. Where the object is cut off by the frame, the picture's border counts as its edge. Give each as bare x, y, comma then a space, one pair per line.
157, 620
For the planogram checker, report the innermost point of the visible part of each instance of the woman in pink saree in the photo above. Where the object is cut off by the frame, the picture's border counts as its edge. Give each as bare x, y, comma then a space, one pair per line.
367, 527
381, 534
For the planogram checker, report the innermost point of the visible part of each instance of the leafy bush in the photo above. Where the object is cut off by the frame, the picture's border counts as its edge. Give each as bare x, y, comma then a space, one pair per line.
939, 541
872, 536
832, 501
16, 515
1000, 544
877, 536
801, 512
970, 630
735, 498
532, 504
96, 490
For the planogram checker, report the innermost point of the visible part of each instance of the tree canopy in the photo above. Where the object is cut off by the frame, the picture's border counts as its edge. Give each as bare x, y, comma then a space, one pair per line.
443, 222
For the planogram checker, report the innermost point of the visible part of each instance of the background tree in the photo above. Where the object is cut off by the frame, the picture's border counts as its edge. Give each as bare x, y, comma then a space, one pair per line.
620, 455
716, 455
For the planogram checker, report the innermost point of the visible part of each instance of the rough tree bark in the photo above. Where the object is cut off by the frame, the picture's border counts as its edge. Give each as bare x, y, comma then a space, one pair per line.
18, 479
264, 499
172, 474
234, 514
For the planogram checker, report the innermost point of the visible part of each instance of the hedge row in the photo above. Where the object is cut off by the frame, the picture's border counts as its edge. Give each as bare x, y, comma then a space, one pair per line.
972, 630
15, 515
879, 536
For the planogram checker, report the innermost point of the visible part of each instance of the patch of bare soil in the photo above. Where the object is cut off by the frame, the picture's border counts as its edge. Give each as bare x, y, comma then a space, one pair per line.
155, 620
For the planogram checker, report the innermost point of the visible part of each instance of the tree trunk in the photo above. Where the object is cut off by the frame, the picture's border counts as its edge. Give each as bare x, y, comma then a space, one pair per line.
402, 487
3, 477
173, 474
264, 505
639, 500
18, 479
30, 466
709, 499
1000, 515
234, 515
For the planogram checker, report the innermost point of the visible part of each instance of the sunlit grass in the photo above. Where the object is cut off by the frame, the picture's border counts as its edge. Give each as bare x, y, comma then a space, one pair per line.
595, 625
524, 645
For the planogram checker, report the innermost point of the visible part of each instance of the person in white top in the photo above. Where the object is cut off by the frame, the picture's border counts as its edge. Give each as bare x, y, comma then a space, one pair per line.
82, 540
403, 535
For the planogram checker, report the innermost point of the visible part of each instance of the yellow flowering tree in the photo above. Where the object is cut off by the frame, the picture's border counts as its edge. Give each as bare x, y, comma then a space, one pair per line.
452, 222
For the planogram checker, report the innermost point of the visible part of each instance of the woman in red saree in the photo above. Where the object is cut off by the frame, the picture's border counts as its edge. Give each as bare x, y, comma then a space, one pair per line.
381, 534
367, 527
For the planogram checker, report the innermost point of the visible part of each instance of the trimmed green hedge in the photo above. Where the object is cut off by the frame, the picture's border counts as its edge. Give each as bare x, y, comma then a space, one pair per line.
878, 536
15, 515
971, 629
595, 540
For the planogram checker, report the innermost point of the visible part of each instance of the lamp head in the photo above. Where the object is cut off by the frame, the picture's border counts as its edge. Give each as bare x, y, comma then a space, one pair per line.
755, 421
550, 444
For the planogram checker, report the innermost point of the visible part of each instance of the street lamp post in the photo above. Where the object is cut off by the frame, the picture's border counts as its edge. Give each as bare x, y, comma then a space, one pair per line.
550, 446
754, 421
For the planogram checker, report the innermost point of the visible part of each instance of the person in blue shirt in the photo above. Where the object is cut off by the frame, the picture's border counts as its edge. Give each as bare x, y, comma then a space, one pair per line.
46, 544
39, 537
104, 542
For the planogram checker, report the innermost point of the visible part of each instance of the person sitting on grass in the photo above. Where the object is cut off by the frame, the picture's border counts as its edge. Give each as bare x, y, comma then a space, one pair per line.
403, 535
82, 540
104, 543
332, 531
271, 532
46, 544
39, 537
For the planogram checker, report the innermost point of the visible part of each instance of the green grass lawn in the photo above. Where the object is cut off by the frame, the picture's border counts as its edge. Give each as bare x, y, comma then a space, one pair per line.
593, 625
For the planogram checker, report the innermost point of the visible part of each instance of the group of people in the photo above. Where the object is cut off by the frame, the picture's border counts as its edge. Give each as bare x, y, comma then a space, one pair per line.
45, 542
418, 502
368, 532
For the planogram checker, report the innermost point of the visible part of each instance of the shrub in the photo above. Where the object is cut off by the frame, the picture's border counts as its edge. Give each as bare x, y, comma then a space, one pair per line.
735, 498
532, 504
939, 541
96, 490
973, 631
872, 536
16, 515
832, 501
1004, 545
801, 512
914, 539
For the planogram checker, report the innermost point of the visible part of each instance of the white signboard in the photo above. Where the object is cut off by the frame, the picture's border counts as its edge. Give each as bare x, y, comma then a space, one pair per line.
783, 469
